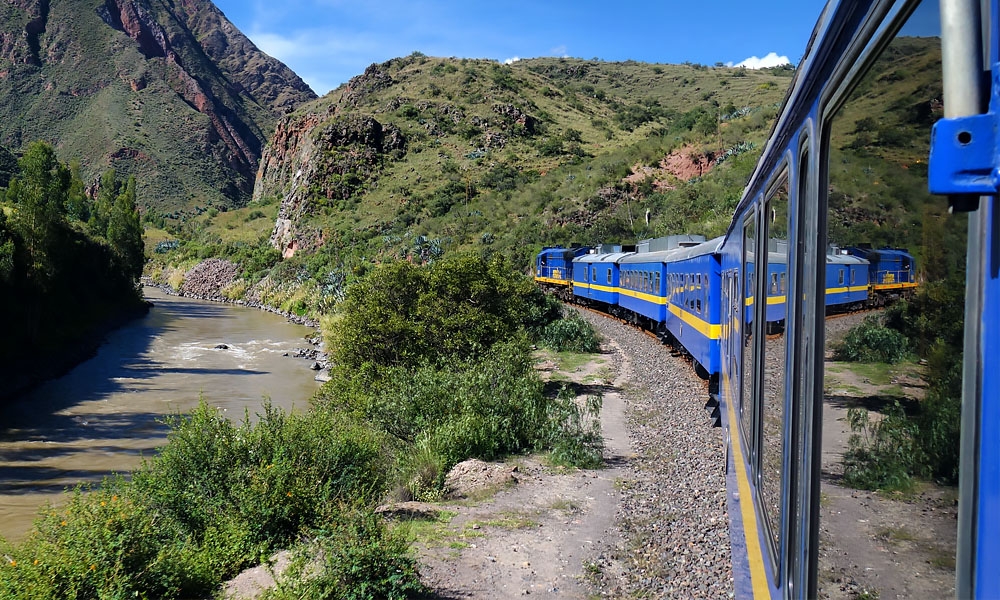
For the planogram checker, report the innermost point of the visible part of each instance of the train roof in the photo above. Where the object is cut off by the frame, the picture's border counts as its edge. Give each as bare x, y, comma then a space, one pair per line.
607, 257
677, 254
563, 252
844, 259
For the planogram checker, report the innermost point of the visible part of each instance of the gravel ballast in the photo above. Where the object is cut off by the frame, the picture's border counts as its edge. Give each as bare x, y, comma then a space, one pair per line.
671, 532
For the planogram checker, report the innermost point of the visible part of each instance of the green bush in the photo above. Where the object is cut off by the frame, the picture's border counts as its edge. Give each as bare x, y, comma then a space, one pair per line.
870, 341
401, 314
571, 333
219, 497
358, 559
881, 453
275, 476
443, 414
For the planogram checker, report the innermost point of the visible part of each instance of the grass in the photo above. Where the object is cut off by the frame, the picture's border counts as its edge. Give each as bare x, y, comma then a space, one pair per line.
895, 535
510, 520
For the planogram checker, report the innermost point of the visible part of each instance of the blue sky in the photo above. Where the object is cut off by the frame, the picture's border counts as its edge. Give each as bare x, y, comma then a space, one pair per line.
329, 41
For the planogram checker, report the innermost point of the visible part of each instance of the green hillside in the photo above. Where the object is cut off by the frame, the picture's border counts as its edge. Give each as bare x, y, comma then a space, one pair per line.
420, 156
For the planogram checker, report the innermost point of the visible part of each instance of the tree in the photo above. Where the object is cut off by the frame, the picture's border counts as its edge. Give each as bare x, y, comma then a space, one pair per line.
8, 166
38, 196
77, 203
107, 192
124, 231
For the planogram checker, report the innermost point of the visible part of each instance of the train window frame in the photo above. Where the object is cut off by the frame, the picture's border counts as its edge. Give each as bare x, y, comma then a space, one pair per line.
840, 276
609, 275
779, 189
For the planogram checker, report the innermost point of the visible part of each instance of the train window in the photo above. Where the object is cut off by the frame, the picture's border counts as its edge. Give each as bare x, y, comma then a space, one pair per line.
593, 274
749, 309
609, 275
840, 277
875, 149
656, 283
773, 367
784, 284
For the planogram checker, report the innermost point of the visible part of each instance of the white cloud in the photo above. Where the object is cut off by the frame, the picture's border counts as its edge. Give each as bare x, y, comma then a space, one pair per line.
559, 51
512, 60
771, 60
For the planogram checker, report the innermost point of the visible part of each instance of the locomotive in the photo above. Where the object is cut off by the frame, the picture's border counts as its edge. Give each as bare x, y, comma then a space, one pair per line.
750, 307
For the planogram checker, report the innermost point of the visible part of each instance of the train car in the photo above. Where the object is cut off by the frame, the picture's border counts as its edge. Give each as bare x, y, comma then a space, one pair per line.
641, 293
692, 316
846, 282
596, 278
554, 269
892, 272
771, 389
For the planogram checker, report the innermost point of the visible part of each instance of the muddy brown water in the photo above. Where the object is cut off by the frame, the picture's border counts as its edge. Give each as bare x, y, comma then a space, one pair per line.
106, 414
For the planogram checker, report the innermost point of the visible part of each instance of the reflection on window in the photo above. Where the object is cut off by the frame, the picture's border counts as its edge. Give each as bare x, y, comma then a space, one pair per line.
877, 146
773, 367
748, 306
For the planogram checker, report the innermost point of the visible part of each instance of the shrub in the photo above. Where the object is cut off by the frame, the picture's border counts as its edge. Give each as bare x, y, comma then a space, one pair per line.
870, 341
441, 415
571, 333
358, 559
277, 475
458, 307
881, 453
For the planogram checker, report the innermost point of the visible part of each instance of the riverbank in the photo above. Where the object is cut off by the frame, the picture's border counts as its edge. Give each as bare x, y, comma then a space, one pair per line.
316, 354
215, 296
37, 366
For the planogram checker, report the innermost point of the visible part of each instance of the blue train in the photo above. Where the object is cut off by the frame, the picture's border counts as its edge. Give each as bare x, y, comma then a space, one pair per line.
672, 286
750, 307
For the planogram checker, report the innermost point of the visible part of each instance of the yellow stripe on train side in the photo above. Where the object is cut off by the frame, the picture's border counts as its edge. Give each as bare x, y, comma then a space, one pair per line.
651, 298
755, 555
847, 289
552, 281
893, 286
709, 330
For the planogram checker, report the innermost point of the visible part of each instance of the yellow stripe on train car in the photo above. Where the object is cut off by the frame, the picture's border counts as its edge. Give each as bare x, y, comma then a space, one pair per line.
893, 286
651, 298
710, 330
553, 281
748, 513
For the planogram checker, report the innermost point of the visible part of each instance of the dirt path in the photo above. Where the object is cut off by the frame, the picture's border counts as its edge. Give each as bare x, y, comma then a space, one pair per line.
875, 545
537, 537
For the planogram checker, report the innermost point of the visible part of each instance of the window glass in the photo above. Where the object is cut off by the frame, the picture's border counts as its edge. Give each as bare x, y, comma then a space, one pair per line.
875, 156
749, 309
773, 366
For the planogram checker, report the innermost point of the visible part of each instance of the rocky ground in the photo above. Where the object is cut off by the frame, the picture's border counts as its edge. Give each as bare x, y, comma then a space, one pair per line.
872, 544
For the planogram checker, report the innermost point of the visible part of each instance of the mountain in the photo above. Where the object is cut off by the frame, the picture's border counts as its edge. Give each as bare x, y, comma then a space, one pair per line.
166, 90
420, 154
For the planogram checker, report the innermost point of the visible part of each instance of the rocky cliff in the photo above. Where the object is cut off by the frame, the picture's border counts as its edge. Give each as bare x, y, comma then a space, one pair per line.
167, 90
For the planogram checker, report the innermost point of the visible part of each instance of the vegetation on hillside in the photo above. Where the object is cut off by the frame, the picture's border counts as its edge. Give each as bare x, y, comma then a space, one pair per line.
221, 496
419, 157
66, 263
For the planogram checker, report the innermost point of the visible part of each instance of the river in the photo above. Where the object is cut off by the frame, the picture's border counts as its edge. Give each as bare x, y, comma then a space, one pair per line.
106, 414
